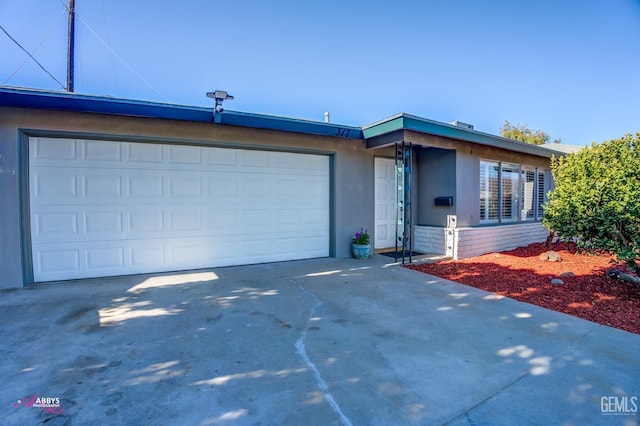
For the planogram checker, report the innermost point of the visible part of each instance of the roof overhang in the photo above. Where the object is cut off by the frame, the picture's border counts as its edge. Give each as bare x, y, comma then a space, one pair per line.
374, 134
63, 101
380, 134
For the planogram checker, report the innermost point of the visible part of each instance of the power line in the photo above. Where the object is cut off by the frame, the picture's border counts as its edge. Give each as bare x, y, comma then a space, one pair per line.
113, 65
106, 45
121, 59
55, 25
31, 56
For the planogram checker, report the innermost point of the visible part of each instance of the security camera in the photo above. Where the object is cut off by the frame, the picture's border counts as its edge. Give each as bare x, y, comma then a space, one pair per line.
219, 96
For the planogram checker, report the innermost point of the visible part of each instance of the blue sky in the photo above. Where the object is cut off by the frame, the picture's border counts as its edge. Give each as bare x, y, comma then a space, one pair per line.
569, 68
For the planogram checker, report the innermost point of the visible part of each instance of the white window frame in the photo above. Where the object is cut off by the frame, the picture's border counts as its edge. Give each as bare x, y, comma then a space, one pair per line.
509, 194
533, 195
486, 192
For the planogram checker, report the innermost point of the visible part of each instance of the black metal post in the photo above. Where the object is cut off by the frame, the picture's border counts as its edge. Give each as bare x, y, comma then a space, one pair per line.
71, 45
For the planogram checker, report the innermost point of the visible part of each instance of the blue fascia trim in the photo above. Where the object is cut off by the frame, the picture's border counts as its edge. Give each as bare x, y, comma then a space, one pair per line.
411, 122
33, 98
236, 118
455, 132
62, 101
43, 99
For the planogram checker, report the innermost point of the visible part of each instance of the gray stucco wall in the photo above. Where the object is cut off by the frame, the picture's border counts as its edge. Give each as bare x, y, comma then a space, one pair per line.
436, 178
467, 174
352, 174
468, 189
10, 220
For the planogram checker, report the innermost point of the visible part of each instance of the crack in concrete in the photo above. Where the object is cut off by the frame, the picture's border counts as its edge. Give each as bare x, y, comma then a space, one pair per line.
300, 349
466, 413
528, 373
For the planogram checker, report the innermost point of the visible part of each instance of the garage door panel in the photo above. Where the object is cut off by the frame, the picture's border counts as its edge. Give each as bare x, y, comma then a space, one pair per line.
187, 220
144, 153
52, 224
287, 218
255, 159
254, 185
145, 221
65, 223
147, 256
222, 157
47, 187
184, 154
101, 151
103, 223
101, 208
58, 262
105, 258
221, 220
185, 186
222, 187
101, 185
315, 216
147, 185
196, 252
255, 220
44, 149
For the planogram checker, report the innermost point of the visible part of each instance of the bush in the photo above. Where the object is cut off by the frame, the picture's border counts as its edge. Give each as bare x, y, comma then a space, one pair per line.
596, 200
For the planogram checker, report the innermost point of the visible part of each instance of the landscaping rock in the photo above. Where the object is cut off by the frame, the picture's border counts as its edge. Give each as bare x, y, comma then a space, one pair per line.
557, 281
612, 273
567, 274
554, 256
630, 278
550, 256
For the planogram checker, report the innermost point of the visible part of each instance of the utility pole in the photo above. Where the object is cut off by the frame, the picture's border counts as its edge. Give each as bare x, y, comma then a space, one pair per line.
71, 44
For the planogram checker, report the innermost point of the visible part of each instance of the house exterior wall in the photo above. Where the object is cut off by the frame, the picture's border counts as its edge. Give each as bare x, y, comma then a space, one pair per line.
436, 175
429, 239
467, 189
469, 242
352, 177
467, 175
447, 163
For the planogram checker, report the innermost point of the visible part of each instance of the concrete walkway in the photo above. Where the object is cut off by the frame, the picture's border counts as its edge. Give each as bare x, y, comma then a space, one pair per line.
318, 342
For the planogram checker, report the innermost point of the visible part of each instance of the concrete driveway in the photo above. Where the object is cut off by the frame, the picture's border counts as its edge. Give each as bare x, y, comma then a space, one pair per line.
318, 342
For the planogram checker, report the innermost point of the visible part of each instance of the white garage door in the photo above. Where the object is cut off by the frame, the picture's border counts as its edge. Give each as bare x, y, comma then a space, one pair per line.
104, 208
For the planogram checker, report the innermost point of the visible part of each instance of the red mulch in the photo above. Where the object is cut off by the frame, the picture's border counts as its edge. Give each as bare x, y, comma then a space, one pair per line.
521, 275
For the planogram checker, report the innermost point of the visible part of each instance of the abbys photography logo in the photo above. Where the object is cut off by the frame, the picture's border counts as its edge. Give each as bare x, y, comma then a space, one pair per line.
51, 405
619, 405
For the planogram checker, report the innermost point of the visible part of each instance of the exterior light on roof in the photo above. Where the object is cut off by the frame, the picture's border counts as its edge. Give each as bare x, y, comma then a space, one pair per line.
463, 125
219, 96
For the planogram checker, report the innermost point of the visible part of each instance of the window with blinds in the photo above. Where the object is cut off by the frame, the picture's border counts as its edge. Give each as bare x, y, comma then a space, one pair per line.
528, 197
511, 192
489, 194
541, 195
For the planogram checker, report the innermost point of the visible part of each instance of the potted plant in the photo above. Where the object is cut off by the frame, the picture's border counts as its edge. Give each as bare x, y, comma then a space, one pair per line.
360, 244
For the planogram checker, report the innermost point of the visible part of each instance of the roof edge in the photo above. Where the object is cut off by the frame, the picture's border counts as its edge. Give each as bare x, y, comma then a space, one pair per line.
56, 100
404, 121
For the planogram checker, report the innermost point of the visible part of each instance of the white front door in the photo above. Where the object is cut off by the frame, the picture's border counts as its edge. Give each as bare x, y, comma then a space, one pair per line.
385, 203
104, 208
